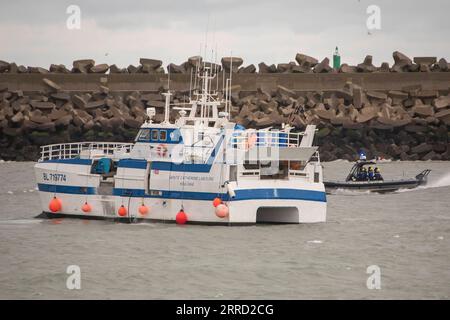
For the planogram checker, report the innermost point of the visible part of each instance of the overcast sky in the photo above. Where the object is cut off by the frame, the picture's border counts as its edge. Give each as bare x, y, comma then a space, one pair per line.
34, 33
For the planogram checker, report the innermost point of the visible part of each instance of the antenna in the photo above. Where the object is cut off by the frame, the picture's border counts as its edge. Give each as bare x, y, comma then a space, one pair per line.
226, 95
217, 72
168, 78
223, 81
166, 107
211, 63
196, 70
190, 85
206, 35
214, 36
229, 87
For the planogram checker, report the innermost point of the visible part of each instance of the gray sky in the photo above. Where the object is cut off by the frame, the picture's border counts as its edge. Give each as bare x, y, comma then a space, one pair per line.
34, 32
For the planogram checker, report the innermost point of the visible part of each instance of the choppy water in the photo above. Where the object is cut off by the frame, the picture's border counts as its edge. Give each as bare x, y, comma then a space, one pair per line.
407, 234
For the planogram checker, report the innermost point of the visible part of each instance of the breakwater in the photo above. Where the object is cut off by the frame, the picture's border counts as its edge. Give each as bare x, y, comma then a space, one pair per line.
400, 111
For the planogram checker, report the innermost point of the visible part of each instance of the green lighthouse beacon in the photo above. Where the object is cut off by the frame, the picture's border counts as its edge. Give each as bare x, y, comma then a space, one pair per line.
336, 59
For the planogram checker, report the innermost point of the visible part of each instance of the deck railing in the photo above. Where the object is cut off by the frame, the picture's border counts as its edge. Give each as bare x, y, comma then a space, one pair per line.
265, 138
72, 150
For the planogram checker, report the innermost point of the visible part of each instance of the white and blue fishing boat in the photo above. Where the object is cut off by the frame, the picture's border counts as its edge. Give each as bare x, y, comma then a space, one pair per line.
200, 168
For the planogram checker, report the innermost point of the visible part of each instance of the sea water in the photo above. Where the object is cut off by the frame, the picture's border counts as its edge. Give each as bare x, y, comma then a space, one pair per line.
405, 234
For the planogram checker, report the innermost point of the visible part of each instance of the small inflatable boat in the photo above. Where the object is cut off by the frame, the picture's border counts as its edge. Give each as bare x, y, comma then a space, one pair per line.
361, 179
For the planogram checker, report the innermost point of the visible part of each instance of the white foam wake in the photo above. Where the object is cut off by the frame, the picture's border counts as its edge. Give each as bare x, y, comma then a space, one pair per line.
443, 181
21, 221
314, 241
347, 192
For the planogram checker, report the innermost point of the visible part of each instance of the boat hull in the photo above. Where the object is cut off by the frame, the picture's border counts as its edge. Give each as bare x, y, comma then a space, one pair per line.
117, 189
202, 212
375, 186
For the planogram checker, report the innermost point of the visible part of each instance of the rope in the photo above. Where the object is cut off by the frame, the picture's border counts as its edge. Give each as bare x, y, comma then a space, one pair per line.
131, 219
87, 179
221, 169
182, 182
129, 216
164, 201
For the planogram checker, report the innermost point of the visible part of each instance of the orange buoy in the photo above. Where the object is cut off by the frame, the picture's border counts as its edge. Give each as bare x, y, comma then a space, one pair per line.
181, 217
86, 207
216, 202
143, 210
222, 211
122, 211
55, 205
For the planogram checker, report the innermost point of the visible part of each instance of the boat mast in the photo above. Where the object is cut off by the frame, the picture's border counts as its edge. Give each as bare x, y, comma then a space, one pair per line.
166, 107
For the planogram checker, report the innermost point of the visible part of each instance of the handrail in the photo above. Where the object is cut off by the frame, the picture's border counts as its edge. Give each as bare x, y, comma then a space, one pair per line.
73, 149
266, 138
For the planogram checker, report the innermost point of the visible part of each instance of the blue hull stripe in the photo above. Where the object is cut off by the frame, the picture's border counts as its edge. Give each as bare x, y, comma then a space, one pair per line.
131, 163
70, 161
249, 194
164, 166
284, 194
66, 189
187, 167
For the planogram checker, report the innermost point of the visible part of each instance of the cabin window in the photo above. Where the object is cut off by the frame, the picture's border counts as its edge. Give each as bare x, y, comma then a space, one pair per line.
175, 136
275, 170
144, 135
251, 165
155, 135
297, 165
163, 135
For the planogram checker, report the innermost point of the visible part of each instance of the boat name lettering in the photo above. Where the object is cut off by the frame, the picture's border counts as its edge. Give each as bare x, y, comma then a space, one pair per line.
54, 177
196, 178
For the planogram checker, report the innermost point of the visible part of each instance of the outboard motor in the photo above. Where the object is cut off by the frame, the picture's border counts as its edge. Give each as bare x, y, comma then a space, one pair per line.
423, 176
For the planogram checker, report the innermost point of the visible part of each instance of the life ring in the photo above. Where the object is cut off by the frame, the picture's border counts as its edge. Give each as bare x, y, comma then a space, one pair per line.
161, 150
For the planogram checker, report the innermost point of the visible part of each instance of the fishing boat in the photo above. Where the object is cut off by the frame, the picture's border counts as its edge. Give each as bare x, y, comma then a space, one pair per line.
360, 178
199, 168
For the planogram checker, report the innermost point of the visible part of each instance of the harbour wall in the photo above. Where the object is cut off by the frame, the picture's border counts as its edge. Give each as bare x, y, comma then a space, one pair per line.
399, 112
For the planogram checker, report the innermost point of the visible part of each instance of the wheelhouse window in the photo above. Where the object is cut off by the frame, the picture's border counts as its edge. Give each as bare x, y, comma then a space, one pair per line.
144, 134
174, 136
163, 135
155, 135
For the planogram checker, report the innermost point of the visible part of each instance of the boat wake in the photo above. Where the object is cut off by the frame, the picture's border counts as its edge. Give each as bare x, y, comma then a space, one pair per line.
346, 192
443, 181
20, 221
